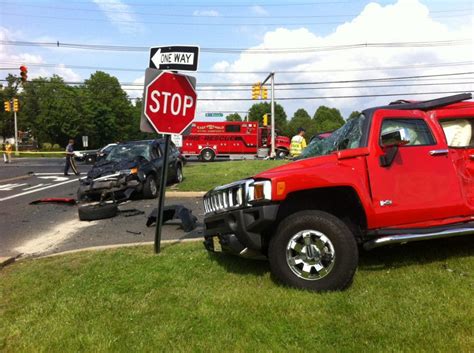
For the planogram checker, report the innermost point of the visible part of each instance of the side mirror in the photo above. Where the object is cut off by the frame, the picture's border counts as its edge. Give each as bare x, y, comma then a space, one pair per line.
390, 142
394, 138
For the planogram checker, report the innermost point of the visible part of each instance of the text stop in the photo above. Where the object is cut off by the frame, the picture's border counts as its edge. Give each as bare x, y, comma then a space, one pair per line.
174, 103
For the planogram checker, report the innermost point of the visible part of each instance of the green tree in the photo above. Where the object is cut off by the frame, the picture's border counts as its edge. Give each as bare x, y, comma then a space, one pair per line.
51, 110
233, 117
301, 118
257, 111
109, 110
7, 93
353, 115
328, 119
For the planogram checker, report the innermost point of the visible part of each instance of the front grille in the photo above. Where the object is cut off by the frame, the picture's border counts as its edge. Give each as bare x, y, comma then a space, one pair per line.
225, 198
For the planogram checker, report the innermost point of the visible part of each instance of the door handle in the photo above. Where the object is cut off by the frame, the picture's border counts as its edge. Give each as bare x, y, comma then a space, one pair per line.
438, 152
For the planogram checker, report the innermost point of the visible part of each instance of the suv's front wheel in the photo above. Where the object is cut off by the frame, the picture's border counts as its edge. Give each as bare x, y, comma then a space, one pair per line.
313, 250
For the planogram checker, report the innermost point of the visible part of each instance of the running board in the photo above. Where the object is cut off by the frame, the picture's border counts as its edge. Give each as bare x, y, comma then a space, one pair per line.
406, 238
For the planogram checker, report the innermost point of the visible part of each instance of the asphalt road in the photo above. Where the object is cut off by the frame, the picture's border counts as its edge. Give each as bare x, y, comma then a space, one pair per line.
49, 228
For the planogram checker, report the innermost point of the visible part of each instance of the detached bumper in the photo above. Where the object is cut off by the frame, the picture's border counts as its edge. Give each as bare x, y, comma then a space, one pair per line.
239, 229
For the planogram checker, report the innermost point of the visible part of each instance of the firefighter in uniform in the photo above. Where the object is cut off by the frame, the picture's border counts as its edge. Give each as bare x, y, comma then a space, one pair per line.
70, 163
298, 143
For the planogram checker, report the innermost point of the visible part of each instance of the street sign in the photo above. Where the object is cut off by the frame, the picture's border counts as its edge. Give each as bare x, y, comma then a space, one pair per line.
174, 57
177, 140
214, 115
169, 102
85, 141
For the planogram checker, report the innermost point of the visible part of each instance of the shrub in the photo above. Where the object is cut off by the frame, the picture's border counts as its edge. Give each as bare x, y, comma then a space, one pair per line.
56, 147
46, 146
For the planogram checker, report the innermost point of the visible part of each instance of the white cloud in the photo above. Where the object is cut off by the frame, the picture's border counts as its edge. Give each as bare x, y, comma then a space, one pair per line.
404, 21
259, 10
10, 58
206, 13
120, 15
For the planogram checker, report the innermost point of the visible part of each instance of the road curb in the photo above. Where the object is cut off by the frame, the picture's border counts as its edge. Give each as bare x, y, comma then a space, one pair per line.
7, 260
117, 246
185, 193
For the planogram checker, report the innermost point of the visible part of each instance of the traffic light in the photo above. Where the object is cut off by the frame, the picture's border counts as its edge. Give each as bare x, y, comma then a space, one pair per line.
256, 91
8, 107
15, 104
265, 119
264, 92
23, 73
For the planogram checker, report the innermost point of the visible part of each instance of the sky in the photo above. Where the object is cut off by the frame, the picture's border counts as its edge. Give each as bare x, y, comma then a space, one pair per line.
314, 47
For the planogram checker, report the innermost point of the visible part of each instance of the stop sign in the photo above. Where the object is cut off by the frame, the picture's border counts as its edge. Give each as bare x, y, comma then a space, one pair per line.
170, 103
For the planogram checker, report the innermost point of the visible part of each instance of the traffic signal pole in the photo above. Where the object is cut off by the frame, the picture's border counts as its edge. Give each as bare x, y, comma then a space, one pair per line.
271, 76
16, 134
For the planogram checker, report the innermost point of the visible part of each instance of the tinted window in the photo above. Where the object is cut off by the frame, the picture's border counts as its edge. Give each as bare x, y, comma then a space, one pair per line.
459, 132
232, 128
416, 131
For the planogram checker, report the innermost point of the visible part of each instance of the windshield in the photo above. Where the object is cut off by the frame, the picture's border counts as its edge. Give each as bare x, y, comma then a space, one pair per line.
127, 152
347, 137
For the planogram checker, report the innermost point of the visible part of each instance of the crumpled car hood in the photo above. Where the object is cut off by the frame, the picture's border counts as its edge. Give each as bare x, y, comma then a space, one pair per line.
104, 168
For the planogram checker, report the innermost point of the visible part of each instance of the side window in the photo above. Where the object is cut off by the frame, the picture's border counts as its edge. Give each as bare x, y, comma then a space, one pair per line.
155, 152
459, 132
414, 131
232, 128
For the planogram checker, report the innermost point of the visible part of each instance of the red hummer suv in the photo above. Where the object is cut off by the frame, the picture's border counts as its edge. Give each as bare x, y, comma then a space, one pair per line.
395, 174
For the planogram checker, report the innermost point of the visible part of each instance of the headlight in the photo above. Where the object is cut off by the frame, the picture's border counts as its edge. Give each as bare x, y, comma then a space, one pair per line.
129, 171
260, 191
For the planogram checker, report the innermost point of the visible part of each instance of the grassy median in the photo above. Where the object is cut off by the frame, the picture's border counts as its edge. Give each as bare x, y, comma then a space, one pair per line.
413, 298
205, 176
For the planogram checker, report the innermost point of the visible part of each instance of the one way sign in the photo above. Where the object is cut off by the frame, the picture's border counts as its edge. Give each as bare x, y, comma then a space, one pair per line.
175, 57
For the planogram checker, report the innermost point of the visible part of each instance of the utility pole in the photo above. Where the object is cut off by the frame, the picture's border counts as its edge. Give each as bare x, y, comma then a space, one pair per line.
15, 109
271, 77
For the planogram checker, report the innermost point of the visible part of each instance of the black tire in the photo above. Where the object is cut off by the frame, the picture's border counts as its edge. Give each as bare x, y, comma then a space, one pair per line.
179, 174
97, 211
339, 254
207, 155
150, 188
282, 154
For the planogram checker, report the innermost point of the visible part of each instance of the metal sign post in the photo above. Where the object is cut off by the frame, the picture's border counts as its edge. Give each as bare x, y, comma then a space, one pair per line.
161, 195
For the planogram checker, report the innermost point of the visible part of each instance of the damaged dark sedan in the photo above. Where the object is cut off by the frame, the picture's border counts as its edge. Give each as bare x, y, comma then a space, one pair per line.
131, 169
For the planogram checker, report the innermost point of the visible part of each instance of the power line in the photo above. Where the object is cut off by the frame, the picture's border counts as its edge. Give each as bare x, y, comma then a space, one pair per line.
160, 23
121, 48
372, 68
216, 16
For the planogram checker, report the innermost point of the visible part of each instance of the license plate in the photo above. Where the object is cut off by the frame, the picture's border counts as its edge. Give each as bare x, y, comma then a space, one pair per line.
216, 243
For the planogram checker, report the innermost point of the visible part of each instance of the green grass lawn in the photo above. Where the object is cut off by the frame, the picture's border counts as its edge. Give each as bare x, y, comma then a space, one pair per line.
415, 298
205, 176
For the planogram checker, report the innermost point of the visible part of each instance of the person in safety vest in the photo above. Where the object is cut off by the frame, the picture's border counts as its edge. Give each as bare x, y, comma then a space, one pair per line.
298, 143
8, 152
70, 163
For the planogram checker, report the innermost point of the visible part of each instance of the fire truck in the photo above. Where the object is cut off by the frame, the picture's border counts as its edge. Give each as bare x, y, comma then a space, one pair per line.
234, 140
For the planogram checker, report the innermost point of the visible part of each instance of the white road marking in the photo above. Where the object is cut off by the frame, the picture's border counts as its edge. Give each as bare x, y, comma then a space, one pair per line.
37, 190
54, 178
9, 187
36, 186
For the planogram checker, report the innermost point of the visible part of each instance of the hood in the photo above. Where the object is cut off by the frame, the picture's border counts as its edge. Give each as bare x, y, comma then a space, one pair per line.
294, 167
110, 167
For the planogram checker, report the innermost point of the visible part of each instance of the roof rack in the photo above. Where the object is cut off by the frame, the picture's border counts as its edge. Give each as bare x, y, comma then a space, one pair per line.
430, 104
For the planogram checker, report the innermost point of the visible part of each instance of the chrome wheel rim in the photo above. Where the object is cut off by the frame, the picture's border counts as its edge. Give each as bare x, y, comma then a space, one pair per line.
310, 255
207, 155
153, 186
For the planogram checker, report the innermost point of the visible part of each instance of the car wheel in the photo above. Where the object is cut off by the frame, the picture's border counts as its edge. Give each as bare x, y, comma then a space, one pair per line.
97, 211
179, 174
282, 154
207, 155
313, 250
150, 188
